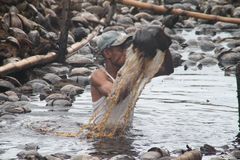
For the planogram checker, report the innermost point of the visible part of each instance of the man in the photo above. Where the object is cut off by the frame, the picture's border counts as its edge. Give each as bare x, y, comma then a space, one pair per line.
112, 46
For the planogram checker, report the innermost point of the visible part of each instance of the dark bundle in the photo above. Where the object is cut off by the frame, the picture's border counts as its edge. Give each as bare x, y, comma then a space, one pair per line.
149, 39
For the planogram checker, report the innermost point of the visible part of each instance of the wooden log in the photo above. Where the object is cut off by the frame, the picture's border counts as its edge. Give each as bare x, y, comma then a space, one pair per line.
42, 59
164, 9
27, 63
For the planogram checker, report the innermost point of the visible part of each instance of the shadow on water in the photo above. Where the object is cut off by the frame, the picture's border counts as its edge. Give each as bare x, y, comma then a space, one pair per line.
106, 148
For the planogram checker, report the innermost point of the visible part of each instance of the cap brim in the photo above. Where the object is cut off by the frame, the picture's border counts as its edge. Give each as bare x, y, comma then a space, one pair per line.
121, 40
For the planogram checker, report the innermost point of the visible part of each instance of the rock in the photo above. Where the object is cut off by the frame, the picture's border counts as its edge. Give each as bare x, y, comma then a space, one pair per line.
144, 15
79, 61
207, 61
236, 154
49, 157
3, 97
171, 1
61, 155
236, 12
56, 96
229, 58
5, 85
26, 89
31, 146
15, 107
59, 102
152, 155
33, 155
56, 68
51, 78
84, 157
83, 71
188, 64
192, 43
224, 25
208, 150
206, 45
124, 20
234, 44
177, 58
12, 96
39, 86
193, 56
122, 157
71, 90
80, 80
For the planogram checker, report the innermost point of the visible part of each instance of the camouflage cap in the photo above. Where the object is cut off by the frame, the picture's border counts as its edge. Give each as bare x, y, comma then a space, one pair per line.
111, 39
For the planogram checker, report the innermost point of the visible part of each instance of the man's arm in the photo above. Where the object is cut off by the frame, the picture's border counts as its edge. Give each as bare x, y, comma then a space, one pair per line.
167, 67
101, 83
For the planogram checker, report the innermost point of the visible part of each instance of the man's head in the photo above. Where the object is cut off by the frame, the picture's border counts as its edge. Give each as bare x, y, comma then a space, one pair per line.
112, 45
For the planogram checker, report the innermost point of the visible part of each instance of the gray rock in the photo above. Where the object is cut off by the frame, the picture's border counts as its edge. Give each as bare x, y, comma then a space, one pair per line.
56, 96
193, 56
59, 102
56, 68
84, 157
236, 12
15, 107
31, 146
208, 150
207, 45
151, 155
3, 97
82, 71
71, 90
122, 157
229, 58
79, 60
5, 85
234, 44
224, 25
12, 96
236, 154
61, 155
33, 155
80, 80
207, 61
49, 157
51, 78
171, 1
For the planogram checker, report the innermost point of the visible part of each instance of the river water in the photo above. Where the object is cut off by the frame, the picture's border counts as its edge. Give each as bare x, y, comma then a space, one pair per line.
193, 107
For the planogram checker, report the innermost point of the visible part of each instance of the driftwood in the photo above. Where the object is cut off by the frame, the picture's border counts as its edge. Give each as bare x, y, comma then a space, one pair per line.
164, 9
42, 59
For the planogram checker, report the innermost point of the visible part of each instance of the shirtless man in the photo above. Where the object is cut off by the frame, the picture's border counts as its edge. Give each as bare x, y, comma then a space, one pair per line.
112, 46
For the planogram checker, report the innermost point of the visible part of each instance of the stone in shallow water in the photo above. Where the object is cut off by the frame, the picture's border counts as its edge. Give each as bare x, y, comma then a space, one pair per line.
82, 71
122, 157
71, 90
51, 78
15, 107
151, 155
61, 155
208, 150
80, 80
5, 85
84, 157
236, 154
79, 60
206, 45
32, 154
31, 146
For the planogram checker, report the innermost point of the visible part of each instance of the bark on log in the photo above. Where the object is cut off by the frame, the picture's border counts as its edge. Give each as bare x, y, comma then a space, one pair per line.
164, 9
42, 59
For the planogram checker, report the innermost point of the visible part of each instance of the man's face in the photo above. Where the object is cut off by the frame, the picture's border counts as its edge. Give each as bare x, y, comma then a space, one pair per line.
118, 55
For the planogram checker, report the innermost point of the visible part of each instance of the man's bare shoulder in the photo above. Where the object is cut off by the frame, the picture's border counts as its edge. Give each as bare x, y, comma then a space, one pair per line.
97, 76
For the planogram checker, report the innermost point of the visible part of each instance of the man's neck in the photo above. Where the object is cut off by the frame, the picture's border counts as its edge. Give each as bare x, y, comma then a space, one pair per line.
111, 69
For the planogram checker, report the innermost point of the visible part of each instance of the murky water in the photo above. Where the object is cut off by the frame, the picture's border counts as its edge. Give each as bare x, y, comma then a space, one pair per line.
187, 107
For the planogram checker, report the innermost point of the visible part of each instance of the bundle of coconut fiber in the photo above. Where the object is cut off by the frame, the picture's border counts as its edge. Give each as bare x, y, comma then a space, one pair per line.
145, 57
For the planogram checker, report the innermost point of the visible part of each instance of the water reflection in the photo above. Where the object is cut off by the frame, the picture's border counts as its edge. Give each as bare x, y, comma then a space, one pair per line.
108, 147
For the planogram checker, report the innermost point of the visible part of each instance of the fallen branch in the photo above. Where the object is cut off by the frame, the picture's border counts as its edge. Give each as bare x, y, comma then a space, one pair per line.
42, 59
164, 9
